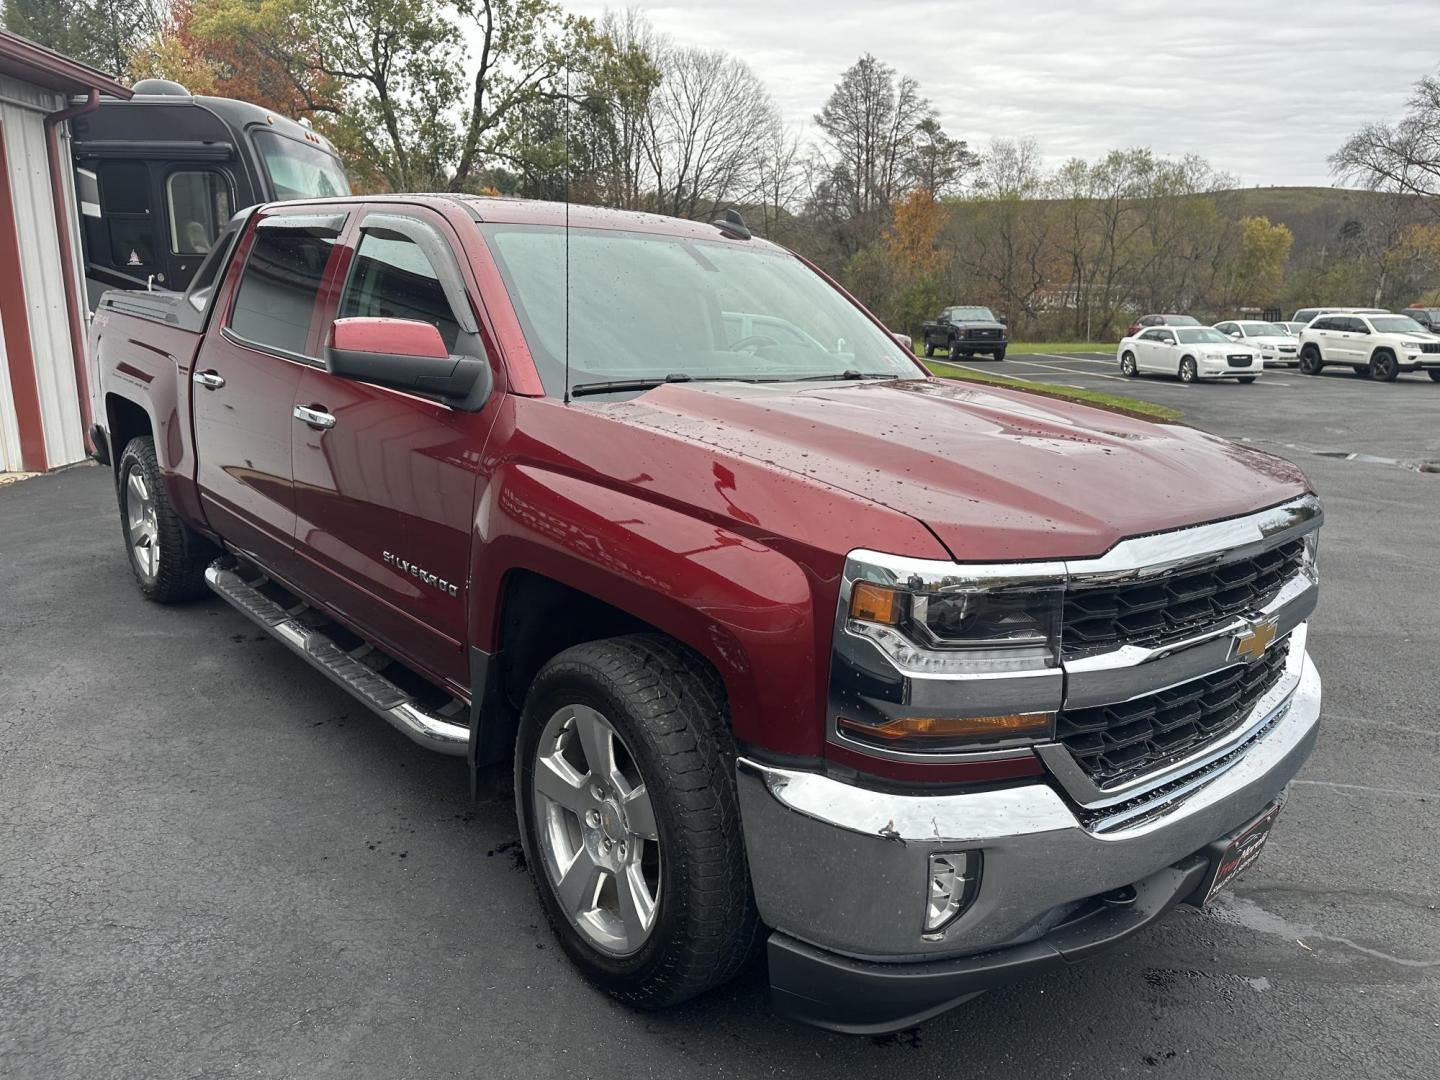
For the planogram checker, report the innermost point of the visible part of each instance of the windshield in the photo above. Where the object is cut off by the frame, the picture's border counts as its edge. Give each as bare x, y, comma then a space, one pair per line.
1201, 336
299, 171
957, 313
653, 307
1396, 324
1264, 329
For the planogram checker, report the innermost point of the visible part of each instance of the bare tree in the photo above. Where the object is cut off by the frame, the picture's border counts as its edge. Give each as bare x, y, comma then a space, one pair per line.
870, 125
707, 126
1404, 157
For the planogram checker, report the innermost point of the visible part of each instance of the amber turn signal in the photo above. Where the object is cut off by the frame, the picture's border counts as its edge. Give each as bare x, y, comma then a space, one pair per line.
874, 603
958, 728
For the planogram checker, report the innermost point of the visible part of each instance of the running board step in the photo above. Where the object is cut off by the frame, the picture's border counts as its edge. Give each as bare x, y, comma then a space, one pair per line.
369, 687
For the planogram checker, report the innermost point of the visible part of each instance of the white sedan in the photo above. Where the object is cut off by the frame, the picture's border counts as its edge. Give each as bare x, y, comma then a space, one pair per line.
1275, 344
1190, 352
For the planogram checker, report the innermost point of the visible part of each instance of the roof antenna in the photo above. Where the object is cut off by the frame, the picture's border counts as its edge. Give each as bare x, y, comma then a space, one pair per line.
567, 232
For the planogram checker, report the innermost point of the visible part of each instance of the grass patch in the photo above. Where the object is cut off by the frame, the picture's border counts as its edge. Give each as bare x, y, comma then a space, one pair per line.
1134, 406
1021, 348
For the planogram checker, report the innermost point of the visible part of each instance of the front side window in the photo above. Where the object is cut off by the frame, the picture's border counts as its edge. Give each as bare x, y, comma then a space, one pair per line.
298, 170
1230, 328
646, 306
276, 299
199, 205
392, 278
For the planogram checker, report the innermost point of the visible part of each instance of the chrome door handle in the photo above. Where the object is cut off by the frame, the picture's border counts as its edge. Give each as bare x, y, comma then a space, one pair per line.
314, 417
208, 379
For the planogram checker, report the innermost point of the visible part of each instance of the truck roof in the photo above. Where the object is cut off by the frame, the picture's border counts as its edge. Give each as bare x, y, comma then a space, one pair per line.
515, 211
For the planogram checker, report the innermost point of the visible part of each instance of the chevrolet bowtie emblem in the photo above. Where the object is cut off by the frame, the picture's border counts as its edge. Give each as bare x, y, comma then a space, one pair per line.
1252, 643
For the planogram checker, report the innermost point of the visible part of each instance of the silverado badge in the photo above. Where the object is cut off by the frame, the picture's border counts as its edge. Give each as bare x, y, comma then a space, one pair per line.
420, 574
1251, 644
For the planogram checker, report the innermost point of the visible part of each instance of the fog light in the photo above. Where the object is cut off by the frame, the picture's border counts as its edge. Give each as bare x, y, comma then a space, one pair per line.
954, 881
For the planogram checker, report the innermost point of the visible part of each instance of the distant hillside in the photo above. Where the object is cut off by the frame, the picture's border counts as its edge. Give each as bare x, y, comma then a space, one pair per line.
1313, 214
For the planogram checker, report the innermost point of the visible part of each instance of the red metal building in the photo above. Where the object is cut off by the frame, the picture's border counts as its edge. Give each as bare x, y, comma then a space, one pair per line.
44, 393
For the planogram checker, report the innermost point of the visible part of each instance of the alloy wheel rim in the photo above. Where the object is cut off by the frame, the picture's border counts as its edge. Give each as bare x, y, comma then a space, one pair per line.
599, 843
1382, 368
141, 527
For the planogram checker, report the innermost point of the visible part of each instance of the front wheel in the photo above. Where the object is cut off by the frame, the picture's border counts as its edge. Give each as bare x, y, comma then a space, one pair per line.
1310, 362
1384, 367
929, 350
1246, 379
1127, 365
1000, 355
1188, 372
1434, 374
167, 558
625, 791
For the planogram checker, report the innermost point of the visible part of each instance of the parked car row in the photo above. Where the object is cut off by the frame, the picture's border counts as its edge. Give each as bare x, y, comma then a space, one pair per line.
1377, 344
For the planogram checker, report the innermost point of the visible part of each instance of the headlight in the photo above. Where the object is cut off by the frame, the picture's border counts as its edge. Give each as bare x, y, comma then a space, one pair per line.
936, 656
1410, 344
1312, 553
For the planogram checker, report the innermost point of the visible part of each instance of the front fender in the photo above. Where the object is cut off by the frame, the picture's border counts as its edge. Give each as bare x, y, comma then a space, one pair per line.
747, 608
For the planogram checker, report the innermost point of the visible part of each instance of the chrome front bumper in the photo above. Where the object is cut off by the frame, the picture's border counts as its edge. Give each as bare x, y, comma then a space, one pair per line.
845, 868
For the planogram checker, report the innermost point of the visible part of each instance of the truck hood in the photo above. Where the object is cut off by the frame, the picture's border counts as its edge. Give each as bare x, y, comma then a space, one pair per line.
995, 474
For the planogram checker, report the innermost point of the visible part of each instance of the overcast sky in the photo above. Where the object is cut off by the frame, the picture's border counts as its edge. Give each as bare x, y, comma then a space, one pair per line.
1265, 90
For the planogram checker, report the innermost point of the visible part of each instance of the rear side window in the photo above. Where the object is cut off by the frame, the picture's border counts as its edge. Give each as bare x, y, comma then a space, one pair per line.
393, 278
276, 299
1323, 324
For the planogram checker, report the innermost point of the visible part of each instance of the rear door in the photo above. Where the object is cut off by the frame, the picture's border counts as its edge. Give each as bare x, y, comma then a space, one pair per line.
385, 495
246, 377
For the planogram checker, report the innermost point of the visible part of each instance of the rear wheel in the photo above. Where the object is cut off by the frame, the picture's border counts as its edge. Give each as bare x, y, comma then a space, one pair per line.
1310, 362
1188, 372
167, 557
1383, 366
626, 796
1128, 367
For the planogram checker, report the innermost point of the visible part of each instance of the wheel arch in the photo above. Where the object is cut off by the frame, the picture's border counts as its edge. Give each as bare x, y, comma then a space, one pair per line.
125, 419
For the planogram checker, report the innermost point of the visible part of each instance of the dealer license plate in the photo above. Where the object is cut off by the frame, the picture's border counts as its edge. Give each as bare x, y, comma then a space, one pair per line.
1238, 852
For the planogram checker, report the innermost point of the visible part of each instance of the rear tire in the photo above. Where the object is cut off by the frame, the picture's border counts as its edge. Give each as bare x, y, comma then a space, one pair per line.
661, 711
1189, 373
1383, 366
167, 557
1310, 362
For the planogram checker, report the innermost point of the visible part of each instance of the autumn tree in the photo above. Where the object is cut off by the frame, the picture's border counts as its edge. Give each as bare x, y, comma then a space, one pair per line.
1258, 263
912, 244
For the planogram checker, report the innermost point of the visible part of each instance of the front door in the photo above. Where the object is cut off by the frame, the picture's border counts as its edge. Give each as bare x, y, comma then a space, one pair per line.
245, 380
386, 483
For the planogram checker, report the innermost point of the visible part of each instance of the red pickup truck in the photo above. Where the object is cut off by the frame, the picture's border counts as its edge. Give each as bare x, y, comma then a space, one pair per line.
913, 686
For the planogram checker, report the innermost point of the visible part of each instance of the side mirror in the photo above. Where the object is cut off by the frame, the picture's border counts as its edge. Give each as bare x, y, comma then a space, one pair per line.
406, 354
904, 339
1002, 320
1235, 336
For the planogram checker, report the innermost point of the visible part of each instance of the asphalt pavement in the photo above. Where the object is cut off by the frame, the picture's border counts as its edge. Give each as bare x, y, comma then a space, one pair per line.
214, 864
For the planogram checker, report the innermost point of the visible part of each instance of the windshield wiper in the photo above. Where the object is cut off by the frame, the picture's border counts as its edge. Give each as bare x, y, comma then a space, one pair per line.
850, 374
618, 385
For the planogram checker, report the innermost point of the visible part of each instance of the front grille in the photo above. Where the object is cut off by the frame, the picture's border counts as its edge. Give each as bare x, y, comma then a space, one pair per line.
989, 335
1242, 360
1430, 346
1287, 348
1113, 743
1172, 606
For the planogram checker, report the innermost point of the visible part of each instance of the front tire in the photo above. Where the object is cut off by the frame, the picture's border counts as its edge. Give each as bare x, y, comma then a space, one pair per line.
1434, 374
929, 350
1188, 371
1310, 362
999, 355
625, 791
167, 557
1246, 379
1383, 366
1128, 367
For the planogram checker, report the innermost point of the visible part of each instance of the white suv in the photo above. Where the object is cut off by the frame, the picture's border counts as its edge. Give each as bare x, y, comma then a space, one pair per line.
1379, 346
